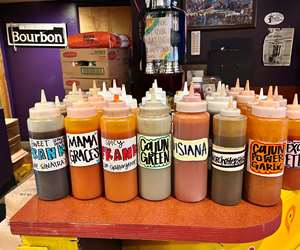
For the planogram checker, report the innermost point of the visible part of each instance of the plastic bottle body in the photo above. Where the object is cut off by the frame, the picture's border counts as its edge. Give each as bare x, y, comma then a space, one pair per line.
120, 182
228, 158
291, 177
190, 151
267, 138
45, 135
243, 107
86, 180
154, 147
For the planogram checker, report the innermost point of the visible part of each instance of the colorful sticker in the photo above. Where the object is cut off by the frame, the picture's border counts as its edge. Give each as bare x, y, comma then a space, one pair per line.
190, 150
154, 152
119, 155
228, 159
266, 159
48, 154
83, 149
292, 156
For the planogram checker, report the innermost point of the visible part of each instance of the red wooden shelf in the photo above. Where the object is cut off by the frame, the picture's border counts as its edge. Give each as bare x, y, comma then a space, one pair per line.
139, 219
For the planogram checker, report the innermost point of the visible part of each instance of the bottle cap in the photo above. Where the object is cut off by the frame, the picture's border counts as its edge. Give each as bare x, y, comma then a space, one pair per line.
116, 108
153, 107
44, 103
293, 110
81, 109
217, 106
191, 103
246, 95
128, 99
279, 98
180, 94
43, 109
97, 101
115, 90
269, 108
234, 91
73, 96
230, 110
94, 90
185, 89
60, 105
104, 93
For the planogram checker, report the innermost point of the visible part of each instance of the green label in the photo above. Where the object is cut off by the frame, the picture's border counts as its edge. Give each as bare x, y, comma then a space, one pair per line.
91, 71
154, 152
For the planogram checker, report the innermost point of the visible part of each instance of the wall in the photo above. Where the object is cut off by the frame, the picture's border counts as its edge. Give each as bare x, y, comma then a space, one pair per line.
30, 69
259, 74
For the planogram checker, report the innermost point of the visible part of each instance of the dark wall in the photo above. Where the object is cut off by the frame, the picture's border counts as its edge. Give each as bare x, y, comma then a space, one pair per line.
259, 74
30, 69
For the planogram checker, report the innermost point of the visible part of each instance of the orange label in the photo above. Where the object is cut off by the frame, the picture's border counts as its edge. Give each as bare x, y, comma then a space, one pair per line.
266, 159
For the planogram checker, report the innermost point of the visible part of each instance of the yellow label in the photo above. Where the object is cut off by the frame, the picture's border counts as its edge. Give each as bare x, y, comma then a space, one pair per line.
190, 150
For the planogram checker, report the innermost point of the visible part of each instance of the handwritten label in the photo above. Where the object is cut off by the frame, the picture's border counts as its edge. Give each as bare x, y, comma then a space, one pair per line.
266, 159
48, 154
83, 149
190, 150
119, 155
292, 156
228, 159
154, 152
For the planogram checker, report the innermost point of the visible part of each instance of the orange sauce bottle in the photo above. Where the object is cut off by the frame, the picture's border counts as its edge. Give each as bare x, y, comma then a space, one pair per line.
82, 125
118, 138
291, 177
244, 97
267, 133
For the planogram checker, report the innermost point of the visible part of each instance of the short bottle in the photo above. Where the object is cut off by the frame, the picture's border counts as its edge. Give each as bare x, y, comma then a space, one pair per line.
190, 148
291, 177
48, 149
82, 128
119, 151
228, 156
154, 150
267, 132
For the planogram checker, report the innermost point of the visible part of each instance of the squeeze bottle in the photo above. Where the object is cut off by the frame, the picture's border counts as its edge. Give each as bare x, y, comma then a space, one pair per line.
62, 106
244, 97
190, 148
129, 100
154, 150
228, 156
118, 137
72, 97
234, 91
82, 127
277, 97
267, 133
291, 176
48, 150
115, 90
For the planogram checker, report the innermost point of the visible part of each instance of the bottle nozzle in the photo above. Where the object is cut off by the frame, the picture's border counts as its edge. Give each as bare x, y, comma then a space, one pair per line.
261, 94
80, 92
237, 83
270, 93
227, 88
43, 96
152, 93
295, 101
155, 85
57, 102
219, 87
104, 90
185, 87
223, 90
114, 84
123, 93
247, 86
275, 91
74, 88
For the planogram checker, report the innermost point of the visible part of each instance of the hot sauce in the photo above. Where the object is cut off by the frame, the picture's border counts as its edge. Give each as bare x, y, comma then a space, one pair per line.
291, 177
244, 97
228, 156
190, 148
154, 150
82, 128
267, 132
119, 152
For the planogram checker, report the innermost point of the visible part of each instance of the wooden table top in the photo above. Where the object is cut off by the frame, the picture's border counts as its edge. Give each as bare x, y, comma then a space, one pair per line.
139, 219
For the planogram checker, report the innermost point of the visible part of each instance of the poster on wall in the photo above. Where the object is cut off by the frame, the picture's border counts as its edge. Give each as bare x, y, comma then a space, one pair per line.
277, 48
225, 14
36, 34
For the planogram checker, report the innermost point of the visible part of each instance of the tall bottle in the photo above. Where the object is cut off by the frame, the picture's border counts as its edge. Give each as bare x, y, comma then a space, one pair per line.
118, 137
48, 149
190, 149
228, 156
82, 128
154, 150
291, 177
267, 133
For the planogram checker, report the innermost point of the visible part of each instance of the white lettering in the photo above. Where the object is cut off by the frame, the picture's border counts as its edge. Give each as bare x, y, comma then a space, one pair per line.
15, 36
58, 38
23, 38
43, 37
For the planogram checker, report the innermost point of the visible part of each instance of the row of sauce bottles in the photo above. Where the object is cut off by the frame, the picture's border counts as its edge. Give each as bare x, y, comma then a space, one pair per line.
107, 140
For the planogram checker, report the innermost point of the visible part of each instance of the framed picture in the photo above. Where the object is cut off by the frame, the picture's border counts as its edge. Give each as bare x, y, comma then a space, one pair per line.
220, 14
